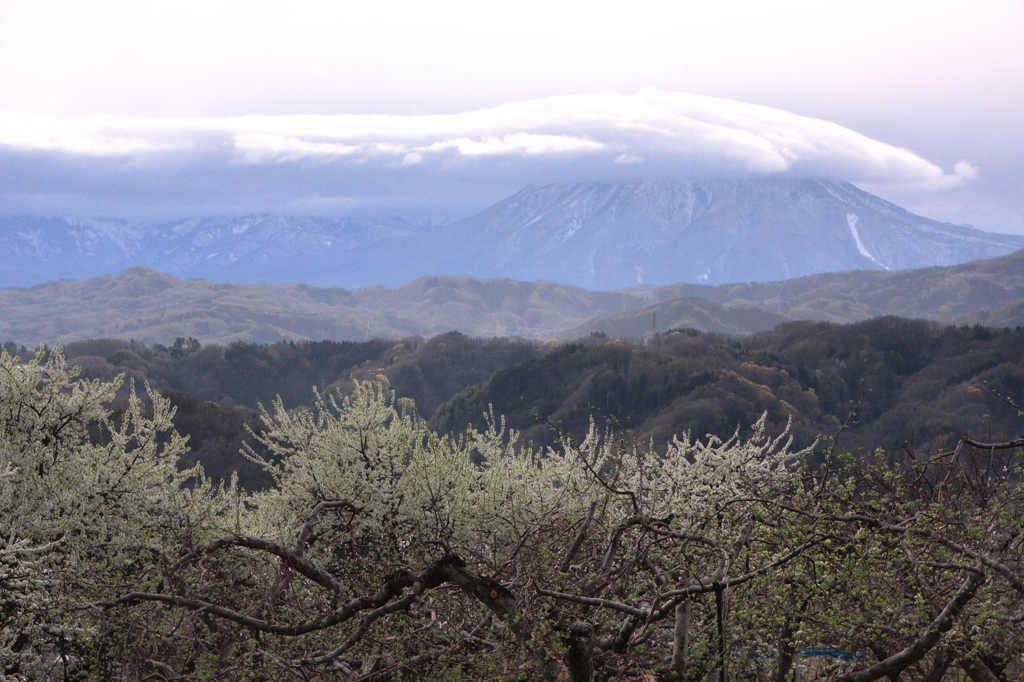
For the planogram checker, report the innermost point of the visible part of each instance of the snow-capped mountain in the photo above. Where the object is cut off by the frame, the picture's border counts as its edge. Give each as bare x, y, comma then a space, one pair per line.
610, 235
34, 250
253, 248
599, 236
274, 248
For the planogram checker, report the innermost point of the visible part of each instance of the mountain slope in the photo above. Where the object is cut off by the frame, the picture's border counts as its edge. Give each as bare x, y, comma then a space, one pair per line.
252, 248
146, 305
599, 236
35, 250
679, 313
143, 304
605, 235
912, 383
988, 292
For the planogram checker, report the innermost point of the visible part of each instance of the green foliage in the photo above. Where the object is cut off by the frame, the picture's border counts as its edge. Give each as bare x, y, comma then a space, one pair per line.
81, 519
386, 550
216, 389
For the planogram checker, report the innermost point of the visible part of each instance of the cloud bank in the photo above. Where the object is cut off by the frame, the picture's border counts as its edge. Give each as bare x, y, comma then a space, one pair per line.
605, 136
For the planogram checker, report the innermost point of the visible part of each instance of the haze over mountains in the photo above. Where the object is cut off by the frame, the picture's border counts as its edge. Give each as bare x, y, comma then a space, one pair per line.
987, 292
252, 248
598, 235
146, 305
611, 235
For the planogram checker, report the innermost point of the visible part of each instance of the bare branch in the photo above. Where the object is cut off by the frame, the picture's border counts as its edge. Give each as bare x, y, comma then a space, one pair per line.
294, 561
664, 532
578, 540
1009, 445
307, 527
594, 601
710, 586
931, 636
447, 569
997, 394
165, 671
364, 626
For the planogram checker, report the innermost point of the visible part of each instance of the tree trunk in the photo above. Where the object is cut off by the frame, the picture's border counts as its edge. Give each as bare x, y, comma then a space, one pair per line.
681, 640
786, 651
720, 616
978, 671
579, 652
939, 667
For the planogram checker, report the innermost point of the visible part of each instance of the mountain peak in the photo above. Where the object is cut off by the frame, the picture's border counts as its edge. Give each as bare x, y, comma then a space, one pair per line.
608, 235
599, 236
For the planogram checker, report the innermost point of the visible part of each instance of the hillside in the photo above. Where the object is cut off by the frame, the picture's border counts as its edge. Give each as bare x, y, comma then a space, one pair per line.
600, 236
909, 381
610, 235
679, 313
217, 388
153, 307
988, 292
146, 305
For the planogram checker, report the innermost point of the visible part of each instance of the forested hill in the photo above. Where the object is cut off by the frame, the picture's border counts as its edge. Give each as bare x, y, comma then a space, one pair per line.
149, 306
153, 307
988, 292
217, 388
906, 381
912, 382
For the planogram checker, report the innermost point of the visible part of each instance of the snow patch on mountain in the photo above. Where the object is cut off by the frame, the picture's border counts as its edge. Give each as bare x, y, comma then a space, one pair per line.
700, 231
851, 219
596, 235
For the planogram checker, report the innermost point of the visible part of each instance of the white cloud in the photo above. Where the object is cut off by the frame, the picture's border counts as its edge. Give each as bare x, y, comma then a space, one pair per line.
671, 132
965, 170
245, 161
528, 144
257, 148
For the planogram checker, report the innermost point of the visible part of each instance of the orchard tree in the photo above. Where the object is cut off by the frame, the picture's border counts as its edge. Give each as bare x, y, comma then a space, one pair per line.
388, 552
924, 572
88, 507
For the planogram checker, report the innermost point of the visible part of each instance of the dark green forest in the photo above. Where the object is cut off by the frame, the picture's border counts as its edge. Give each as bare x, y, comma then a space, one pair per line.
886, 383
891, 381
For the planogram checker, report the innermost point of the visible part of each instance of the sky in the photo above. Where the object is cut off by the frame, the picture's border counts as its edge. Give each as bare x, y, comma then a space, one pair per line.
161, 110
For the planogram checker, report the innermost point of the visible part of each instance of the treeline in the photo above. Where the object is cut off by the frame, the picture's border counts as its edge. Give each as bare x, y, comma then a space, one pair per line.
890, 381
886, 382
217, 389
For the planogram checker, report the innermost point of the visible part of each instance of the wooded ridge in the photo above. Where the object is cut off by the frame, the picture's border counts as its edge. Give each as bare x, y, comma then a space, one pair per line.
903, 381
149, 306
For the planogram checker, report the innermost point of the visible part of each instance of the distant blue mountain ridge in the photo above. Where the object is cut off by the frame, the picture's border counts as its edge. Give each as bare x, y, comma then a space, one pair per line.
597, 235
